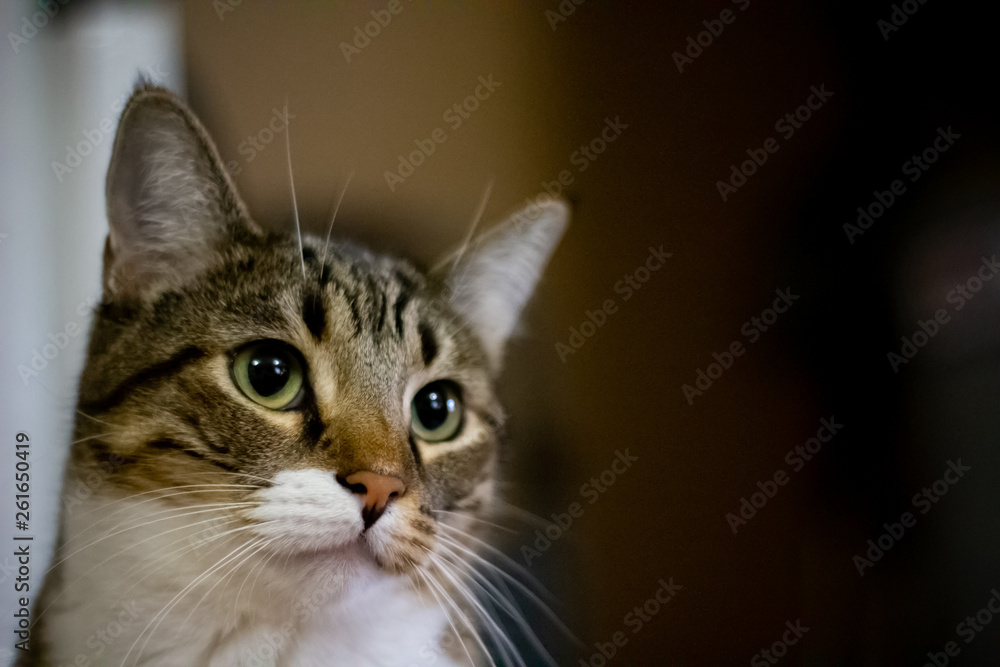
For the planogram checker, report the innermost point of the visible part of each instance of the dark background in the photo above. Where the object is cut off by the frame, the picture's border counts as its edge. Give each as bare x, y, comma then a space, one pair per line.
665, 517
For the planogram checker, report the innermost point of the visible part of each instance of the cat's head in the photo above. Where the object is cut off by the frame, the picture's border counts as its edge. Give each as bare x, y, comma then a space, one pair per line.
334, 400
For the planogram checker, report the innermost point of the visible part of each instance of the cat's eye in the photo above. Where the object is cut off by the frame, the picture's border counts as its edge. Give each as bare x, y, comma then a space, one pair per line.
269, 373
436, 412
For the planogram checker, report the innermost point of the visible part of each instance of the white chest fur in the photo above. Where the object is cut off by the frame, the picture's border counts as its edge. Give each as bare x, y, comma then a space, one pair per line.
158, 596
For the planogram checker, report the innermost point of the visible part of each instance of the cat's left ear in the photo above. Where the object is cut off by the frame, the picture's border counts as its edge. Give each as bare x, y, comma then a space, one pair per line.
490, 282
170, 201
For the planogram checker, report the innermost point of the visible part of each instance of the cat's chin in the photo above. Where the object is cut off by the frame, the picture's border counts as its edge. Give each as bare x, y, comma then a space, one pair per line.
367, 553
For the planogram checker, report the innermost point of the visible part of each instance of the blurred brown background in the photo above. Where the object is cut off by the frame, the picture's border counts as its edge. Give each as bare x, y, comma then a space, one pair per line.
655, 184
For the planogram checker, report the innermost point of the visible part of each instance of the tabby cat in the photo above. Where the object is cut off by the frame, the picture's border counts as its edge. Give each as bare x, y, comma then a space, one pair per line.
283, 446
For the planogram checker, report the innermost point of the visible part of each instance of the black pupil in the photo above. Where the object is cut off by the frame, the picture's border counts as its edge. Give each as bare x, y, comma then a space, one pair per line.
269, 373
432, 407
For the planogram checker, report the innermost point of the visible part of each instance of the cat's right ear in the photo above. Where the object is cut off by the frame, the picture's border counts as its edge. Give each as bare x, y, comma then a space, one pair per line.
170, 201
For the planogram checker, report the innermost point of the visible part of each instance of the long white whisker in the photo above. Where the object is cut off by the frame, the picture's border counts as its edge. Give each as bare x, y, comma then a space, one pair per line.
162, 614
524, 514
239, 592
520, 586
177, 553
254, 584
91, 437
477, 519
505, 602
503, 642
510, 562
291, 183
96, 419
125, 530
266, 481
480, 209
168, 510
167, 490
427, 579
329, 231
232, 571
115, 555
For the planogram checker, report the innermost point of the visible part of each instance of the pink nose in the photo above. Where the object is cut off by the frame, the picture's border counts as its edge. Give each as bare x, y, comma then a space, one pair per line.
376, 491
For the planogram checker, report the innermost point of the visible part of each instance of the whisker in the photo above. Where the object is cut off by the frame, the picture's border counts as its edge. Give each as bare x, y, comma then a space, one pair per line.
480, 209
115, 555
542, 606
81, 412
506, 602
524, 514
427, 579
174, 555
162, 614
125, 530
517, 567
91, 437
497, 633
203, 487
80, 534
260, 564
268, 560
232, 571
291, 182
266, 481
177, 511
477, 519
329, 231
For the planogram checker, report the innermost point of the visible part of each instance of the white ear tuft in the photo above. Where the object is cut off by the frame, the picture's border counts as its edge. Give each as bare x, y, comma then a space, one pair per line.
491, 282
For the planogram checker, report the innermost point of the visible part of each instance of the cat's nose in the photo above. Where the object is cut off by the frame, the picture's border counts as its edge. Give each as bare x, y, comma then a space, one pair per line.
377, 491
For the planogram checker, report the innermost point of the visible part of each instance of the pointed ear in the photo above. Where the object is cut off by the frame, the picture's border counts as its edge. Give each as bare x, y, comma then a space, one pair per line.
489, 284
169, 199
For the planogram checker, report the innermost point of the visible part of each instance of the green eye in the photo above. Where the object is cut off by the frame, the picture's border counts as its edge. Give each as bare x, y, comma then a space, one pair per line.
436, 412
269, 373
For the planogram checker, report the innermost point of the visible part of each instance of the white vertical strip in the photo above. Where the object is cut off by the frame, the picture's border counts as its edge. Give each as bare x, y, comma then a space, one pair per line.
63, 88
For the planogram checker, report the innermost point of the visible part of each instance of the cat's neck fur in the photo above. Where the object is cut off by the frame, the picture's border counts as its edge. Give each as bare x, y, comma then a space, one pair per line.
272, 610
